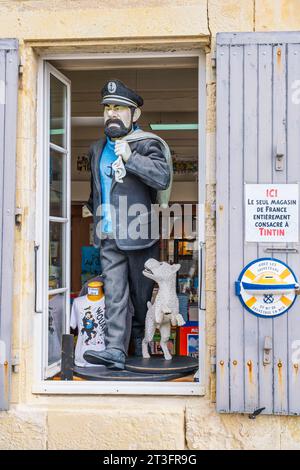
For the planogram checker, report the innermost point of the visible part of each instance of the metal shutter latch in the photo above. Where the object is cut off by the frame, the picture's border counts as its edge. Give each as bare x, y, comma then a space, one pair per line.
279, 157
267, 351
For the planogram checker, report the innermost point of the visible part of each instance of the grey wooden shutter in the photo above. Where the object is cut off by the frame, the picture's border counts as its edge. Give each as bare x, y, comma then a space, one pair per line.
258, 112
8, 117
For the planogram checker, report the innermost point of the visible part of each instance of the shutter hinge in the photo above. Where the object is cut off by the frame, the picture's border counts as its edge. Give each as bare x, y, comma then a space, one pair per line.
213, 209
213, 59
15, 363
18, 216
21, 69
213, 364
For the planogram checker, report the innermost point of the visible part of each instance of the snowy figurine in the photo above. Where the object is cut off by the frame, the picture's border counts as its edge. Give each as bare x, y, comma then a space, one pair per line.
164, 312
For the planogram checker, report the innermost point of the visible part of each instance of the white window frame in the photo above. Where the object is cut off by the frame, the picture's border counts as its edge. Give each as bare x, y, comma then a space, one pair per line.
102, 387
51, 370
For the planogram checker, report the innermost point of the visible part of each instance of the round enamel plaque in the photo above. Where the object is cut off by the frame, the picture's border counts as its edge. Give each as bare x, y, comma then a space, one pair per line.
267, 287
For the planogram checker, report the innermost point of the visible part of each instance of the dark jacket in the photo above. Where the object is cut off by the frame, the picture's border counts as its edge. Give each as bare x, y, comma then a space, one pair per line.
147, 171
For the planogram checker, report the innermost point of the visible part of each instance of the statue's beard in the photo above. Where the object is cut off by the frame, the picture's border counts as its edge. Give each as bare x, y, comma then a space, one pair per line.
116, 131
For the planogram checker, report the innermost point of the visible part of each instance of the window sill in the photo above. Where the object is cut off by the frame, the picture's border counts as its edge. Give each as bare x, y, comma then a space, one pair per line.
117, 388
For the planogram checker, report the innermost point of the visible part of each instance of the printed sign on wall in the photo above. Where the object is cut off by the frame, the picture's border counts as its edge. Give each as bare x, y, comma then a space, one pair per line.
271, 213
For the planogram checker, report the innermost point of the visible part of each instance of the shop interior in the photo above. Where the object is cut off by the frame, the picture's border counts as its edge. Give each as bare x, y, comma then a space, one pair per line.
170, 91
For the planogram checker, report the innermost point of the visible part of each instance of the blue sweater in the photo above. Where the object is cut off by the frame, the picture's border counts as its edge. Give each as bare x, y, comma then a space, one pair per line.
106, 176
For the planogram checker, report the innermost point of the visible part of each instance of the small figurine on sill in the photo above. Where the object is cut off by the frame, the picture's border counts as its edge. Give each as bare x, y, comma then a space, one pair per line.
88, 315
164, 312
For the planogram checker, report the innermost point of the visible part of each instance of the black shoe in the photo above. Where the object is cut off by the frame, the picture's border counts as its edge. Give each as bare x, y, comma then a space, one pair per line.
137, 346
111, 358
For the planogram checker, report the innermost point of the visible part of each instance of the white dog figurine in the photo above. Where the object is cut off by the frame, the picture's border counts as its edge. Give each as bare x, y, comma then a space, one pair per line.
165, 310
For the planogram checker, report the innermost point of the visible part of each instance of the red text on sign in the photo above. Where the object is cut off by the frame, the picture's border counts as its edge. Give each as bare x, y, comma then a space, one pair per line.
272, 192
271, 232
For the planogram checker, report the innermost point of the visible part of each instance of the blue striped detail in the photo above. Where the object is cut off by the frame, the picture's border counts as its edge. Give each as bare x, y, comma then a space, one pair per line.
248, 286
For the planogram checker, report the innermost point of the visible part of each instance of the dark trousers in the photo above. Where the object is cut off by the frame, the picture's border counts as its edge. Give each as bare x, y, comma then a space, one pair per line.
123, 276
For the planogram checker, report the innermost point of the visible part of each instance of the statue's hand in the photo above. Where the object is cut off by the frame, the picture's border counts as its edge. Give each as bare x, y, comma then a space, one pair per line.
119, 169
122, 149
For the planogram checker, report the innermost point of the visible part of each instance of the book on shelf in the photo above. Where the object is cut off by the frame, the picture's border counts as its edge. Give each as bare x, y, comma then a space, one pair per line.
155, 348
188, 339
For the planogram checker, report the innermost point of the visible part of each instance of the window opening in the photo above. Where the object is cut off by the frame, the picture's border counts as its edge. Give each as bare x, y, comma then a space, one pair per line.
171, 108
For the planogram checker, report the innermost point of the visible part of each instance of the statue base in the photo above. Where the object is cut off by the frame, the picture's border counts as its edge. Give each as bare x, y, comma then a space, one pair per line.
101, 373
182, 365
138, 369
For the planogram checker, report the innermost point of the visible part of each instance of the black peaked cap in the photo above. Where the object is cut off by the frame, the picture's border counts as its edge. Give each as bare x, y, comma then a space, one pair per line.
116, 92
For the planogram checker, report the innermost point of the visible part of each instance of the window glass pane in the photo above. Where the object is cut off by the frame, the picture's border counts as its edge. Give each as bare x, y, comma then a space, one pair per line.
57, 184
58, 95
56, 255
56, 326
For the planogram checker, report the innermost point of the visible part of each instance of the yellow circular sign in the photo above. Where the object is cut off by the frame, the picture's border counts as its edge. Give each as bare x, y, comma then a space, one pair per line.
267, 287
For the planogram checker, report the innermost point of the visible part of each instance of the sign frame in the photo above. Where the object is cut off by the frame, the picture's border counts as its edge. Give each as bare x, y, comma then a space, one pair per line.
247, 227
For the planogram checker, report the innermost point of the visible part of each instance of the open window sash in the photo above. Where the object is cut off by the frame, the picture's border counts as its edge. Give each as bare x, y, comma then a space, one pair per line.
57, 216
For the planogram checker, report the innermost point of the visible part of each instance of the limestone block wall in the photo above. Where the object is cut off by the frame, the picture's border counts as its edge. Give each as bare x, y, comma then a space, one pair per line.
119, 422
79, 19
